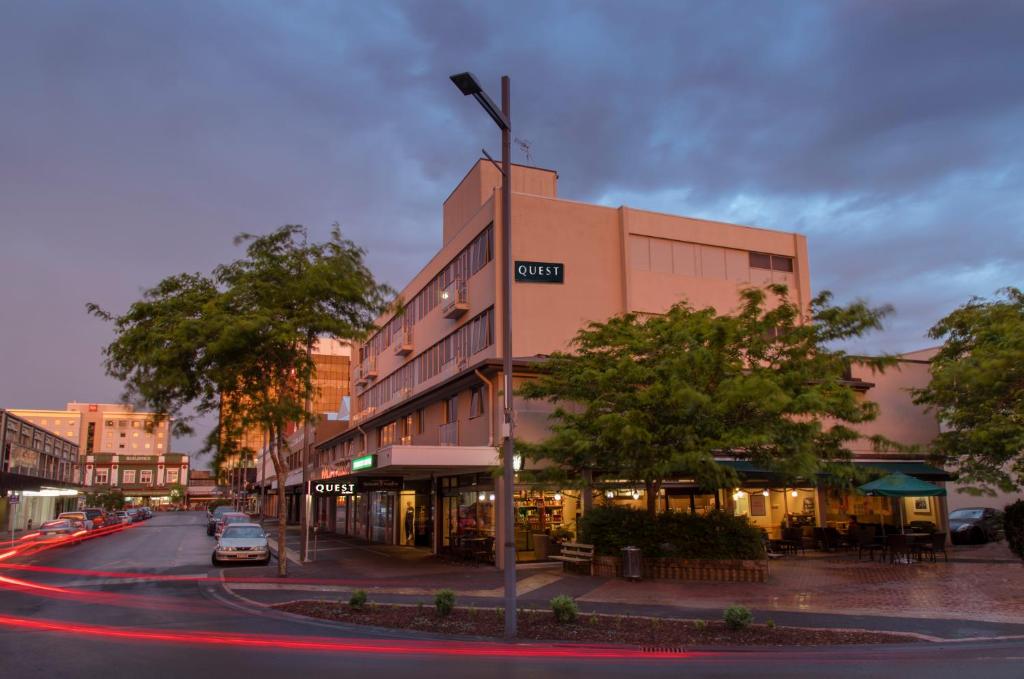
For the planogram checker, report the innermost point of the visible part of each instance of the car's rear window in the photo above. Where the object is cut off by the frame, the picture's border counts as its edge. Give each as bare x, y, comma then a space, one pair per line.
236, 518
243, 532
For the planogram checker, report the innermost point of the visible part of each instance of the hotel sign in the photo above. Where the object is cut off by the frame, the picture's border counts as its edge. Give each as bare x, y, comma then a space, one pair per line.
540, 272
332, 487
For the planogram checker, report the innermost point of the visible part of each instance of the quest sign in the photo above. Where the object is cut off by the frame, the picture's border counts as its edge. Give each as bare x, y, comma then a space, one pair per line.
329, 487
351, 486
540, 272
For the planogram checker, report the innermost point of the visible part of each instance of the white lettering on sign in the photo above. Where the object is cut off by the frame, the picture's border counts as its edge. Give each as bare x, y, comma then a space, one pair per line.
539, 272
335, 488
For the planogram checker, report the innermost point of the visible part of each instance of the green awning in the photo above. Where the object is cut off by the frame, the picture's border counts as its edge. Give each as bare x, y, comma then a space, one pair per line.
901, 485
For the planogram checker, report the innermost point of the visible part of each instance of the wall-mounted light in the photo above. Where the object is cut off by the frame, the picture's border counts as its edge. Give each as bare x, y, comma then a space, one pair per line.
765, 492
482, 497
793, 493
491, 497
558, 497
636, 494
609, 494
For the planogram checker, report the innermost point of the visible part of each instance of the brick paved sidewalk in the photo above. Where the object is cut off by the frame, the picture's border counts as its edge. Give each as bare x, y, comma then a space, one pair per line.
979, 583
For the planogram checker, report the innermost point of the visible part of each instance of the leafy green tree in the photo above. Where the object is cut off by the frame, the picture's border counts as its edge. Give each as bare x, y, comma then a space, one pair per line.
111, 499
245, 333
977, 391
176, 491
648, 398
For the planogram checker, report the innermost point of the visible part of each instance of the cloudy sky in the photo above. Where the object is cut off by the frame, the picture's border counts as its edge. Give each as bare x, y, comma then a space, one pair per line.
137, 138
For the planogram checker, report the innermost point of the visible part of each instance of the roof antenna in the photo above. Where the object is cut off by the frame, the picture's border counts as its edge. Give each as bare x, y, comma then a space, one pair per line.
524, 146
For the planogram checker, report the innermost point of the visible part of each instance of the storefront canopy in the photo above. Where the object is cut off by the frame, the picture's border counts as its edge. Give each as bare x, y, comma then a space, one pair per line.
901, 485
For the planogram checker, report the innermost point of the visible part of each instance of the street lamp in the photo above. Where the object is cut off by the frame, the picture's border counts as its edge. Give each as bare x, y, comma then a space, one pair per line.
470, 86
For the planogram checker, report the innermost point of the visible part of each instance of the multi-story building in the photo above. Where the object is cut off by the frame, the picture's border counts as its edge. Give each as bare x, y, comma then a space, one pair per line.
105, 427
332, 359
427, 403
143, 479
37, 468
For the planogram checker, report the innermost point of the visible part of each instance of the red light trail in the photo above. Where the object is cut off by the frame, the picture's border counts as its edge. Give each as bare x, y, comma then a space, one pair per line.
323, 644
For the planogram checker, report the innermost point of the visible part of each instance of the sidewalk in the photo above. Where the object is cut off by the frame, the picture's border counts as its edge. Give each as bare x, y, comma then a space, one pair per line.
979, 593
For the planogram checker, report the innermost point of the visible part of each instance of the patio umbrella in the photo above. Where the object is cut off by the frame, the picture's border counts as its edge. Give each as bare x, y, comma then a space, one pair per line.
900, 485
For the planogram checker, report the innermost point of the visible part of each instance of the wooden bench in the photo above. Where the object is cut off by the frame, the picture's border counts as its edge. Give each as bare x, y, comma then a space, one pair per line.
576, 554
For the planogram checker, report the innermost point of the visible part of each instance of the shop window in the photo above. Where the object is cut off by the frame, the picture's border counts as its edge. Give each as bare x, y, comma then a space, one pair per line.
146, 476
128, 476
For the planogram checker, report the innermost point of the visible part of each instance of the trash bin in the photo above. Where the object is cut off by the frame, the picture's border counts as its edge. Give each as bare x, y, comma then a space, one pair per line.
540, 545
631, 565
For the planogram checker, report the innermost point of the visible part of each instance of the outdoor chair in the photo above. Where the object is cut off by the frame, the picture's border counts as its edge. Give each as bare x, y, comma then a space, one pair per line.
935, 544
794, 538
867, 541
899, 546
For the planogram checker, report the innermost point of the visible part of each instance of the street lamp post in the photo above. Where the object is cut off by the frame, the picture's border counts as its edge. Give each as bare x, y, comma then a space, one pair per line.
470, 86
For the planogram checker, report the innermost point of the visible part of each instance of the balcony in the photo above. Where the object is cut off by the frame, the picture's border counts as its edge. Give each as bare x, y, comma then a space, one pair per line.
370, 369
403, 345
448, 434
454, 301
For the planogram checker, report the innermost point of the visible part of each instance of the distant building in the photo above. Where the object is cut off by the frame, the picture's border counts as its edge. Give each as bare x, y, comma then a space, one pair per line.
39, 468
203, 488
144, 479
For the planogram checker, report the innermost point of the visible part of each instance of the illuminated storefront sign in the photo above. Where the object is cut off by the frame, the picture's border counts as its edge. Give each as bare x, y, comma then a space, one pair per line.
364, 462
540, 272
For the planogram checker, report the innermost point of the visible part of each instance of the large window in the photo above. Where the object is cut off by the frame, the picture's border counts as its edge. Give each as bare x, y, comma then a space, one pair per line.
128, 476
146, 476
761, 260
102, 477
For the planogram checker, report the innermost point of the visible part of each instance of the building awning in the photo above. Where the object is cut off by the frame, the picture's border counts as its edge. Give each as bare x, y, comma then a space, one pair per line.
750, 471
424, 460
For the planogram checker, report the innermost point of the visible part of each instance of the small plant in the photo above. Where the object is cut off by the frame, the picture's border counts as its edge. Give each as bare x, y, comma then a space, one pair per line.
358, 599
419, 609
593, 619
737, 617
444, 602
770, 624
564, 608
700, 625
472, 611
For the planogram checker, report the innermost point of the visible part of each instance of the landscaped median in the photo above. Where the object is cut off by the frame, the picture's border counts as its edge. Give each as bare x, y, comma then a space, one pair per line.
564, 623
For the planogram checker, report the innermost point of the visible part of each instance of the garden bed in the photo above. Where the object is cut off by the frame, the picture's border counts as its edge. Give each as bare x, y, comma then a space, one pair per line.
616, 629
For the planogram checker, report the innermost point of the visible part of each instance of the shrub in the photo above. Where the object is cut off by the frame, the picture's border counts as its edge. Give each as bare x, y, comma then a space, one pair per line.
593, 619
737, 617
770, 624
1013, 527
564, 608
358, 599
700, 625
444, 602
717, 535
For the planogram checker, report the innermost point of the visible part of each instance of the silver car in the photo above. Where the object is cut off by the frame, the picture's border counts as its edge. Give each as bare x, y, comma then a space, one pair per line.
242, 542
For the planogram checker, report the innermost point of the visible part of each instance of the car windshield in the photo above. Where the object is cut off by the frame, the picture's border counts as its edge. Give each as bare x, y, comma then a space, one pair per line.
236, 518
966, 514
222, 510
243, 532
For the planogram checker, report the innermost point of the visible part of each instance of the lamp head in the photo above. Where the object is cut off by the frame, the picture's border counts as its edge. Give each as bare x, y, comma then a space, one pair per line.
467, 83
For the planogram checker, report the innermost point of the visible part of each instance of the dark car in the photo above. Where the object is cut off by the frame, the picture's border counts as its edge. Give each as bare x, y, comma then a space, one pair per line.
214, 516
973, 525
99, 517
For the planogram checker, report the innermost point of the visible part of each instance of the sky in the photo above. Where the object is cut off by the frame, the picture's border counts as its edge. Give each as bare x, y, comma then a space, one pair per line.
138, 138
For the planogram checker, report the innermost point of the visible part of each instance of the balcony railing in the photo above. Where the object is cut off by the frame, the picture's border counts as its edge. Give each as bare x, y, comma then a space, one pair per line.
403, 345
370, 369
454, 301
448, 434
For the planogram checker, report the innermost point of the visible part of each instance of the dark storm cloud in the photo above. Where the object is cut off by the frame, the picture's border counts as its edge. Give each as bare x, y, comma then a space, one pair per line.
137, 138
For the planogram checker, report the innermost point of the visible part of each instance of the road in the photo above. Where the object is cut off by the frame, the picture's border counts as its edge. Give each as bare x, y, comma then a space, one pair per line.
146, 602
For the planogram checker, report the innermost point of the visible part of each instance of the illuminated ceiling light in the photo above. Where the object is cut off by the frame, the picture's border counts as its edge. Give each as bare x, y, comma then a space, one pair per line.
793, 493
636, 494
491, 497
482, 497
558, 497
765, 492
609, 494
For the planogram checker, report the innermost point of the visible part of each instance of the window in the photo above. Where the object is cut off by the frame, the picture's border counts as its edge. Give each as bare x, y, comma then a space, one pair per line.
172, 476
146, 476
120, 445
102, 477
135, 424
421, 423
124, 435
476, 403
760, 260
128, 476
451, 409
386, 435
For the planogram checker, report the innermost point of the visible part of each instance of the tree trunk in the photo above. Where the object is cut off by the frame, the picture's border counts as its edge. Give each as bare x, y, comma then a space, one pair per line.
282, 509
588, 490
652, 496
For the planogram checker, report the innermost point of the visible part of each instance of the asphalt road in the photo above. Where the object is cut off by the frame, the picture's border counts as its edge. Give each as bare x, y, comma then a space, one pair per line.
175, 620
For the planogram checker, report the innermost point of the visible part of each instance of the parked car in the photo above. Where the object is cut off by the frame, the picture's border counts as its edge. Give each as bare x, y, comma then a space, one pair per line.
124, 517
242, 542
98, 516
974, 525
212, 517
147, 513
135, 514
60, 530
77, 516
230, 518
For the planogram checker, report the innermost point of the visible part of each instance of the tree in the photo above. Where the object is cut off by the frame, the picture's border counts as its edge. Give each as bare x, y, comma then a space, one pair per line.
646, 398
977, 391
111, 499
176, 492
244, 333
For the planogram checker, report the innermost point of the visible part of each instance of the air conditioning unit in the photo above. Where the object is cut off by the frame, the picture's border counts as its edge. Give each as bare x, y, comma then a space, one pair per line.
454, 301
